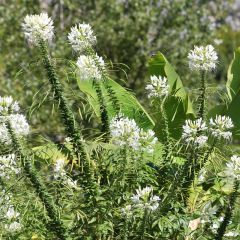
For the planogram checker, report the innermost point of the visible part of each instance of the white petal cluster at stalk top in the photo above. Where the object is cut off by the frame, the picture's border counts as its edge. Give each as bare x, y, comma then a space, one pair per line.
147, 141
81, 37
125, 133
37, 28
127, 211
220, 127
145, 199
8, 106
193, 132
158, 87
19, 125
202, 58
8, 166
89, 67
233, 167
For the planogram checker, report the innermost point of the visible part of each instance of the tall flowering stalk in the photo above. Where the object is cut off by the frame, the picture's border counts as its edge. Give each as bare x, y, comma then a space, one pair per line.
90, 66
38, 30
15, 127
203, 60
158, 89
233, 172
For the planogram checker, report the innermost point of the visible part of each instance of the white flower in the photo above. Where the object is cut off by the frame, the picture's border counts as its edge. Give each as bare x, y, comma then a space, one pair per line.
233, 167
192, 132
8, 165
144, 199
124, 132
147, 141
13, 227
231, 234
220, 126
11, 213
81, 37
58, 169
158, 87
202, 174
89, 68
202, 58
38, 27
19, 124
127, 211
70, 183
8, 106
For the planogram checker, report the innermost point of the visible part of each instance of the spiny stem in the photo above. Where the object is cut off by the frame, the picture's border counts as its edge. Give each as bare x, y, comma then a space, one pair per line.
67, 116
125, 233
56, 224
201, 100
228, 212
167, 144
143, 227
103, 110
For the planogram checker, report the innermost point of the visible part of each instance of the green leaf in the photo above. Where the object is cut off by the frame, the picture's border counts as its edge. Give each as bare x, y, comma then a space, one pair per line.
233, 82
159, 66
129, 104
178, 105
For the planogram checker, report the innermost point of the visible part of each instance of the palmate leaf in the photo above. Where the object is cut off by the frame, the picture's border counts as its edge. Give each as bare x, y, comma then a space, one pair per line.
129, 104
178, 106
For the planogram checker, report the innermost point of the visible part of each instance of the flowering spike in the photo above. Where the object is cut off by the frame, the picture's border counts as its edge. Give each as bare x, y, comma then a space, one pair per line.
81, 37
38, 28
158, 87
202, 58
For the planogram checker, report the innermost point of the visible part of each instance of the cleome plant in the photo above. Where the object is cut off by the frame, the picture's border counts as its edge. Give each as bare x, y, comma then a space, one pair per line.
169, 172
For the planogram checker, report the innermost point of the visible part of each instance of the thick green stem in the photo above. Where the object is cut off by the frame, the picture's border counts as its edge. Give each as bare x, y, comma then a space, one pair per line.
57, 226
228, 212
67, 116
167, 144
103, 109
143, 227
202, 100
125, 233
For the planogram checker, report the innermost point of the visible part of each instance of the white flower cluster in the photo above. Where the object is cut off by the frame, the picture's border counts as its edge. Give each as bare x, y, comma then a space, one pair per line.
202, 58
8, 106
8, 166
158, 87
8, 213
38, 27
81, 37
127, 211
145, 199
60, 173
220, 126
88, 67
193, 132
233, 167
19, 125
126, 133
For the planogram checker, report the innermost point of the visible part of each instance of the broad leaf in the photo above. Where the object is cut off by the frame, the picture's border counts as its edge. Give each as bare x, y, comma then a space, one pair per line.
129, 104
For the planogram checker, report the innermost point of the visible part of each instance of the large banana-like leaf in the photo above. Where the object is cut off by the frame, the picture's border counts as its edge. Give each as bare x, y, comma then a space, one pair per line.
129, 104
178, 106
231, 108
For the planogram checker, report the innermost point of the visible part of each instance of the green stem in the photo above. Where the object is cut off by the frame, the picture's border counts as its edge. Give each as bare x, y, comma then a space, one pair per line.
167, 145
125, 234
67, 116
228, 212
56, 224
103, 109
143, 227
202, 100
